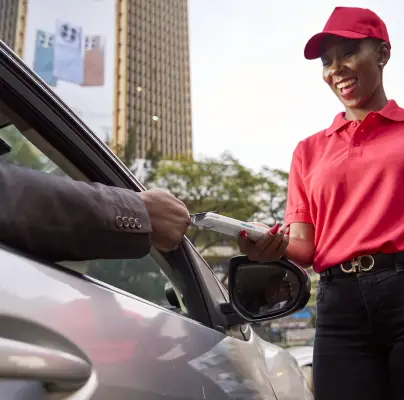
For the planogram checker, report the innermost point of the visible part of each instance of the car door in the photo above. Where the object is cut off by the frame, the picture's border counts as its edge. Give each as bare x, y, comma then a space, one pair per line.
108, 323
261, 361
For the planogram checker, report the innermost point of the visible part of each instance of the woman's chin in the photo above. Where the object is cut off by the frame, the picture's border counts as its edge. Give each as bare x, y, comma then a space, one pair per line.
354, 103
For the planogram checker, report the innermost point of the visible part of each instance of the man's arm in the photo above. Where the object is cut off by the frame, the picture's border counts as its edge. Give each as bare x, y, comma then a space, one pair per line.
61, 219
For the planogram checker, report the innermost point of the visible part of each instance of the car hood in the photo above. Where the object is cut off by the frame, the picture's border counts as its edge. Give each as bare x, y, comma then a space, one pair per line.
286, 377
302, 354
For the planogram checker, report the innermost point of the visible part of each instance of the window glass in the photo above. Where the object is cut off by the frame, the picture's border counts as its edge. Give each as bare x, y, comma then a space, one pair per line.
142, 277
24, 153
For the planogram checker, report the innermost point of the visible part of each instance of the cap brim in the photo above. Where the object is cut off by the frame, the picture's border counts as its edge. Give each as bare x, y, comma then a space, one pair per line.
314, 46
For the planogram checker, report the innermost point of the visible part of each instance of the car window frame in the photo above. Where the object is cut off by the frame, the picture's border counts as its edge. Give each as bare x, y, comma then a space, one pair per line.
74, 140
214, 296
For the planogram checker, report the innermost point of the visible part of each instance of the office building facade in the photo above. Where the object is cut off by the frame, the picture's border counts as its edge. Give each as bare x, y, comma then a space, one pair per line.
152, 91
12, 23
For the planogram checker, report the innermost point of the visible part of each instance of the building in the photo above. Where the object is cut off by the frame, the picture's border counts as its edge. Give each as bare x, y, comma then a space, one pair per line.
152, 99
12, 23
152, 91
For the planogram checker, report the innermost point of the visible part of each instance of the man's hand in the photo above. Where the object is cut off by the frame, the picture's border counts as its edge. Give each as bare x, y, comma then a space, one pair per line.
169, 218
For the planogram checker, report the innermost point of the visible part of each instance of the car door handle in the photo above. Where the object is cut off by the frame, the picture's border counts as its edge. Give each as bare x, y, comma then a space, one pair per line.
19, 360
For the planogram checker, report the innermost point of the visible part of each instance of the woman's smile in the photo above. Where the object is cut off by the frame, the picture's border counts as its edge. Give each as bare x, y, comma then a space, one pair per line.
346, 87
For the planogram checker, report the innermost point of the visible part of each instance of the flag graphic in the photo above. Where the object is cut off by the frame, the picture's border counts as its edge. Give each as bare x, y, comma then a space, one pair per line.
43, 56
94, 61
68, 54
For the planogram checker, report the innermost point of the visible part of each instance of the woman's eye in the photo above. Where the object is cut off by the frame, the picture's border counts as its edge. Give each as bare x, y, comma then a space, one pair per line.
326, 63
348, 54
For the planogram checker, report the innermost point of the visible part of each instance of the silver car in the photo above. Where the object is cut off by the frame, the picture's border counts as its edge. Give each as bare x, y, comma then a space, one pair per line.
304, 357
159, 327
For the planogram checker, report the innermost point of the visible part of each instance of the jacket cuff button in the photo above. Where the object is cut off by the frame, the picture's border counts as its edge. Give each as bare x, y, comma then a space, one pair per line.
132, 222
125, 221
118, 221
138, 223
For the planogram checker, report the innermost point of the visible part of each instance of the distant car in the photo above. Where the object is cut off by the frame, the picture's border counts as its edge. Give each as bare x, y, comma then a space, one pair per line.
304, 357
159, 327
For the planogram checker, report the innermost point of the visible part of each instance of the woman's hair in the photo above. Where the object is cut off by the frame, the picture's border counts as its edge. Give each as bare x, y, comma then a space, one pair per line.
376, 42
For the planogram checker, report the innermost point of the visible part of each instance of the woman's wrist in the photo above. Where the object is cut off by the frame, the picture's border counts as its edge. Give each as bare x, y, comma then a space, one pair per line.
299, 251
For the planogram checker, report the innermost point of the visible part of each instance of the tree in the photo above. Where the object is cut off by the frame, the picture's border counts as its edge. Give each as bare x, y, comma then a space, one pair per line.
143, 169
272, 195
226, 186
151, 163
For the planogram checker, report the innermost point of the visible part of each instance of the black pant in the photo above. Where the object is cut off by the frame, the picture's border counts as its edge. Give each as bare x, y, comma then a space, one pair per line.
359, 342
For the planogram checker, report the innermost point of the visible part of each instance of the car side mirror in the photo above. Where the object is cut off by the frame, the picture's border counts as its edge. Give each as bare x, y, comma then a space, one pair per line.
266, 291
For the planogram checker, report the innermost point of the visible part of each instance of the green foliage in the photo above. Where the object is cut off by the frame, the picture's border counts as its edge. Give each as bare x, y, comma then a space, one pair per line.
272, 194
220, 184
226, 186
144, 170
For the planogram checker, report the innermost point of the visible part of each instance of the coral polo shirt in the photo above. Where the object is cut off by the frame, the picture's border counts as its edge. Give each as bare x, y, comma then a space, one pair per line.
348, 181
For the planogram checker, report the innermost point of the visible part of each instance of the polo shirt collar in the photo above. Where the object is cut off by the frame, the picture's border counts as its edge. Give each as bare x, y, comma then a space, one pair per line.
338, 123
390, 111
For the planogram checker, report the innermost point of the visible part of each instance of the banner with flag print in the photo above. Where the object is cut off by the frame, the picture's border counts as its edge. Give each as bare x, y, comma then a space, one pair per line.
94, 61
68, 62
43, 56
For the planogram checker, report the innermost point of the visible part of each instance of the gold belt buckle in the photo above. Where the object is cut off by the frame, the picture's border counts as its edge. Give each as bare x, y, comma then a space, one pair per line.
357, 266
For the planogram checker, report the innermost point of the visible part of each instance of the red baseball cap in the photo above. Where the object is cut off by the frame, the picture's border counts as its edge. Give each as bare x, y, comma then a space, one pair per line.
350, 23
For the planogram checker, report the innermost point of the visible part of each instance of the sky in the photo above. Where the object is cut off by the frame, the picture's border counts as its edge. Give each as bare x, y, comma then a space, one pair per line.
253, 92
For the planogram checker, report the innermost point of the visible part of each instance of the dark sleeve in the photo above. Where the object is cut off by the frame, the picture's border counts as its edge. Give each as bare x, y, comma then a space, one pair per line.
61, 219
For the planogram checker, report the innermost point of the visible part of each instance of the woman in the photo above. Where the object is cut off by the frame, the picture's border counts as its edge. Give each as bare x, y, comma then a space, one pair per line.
345, 213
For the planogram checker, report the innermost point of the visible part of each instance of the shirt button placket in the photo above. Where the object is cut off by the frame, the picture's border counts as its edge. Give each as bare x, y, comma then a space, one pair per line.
357, 143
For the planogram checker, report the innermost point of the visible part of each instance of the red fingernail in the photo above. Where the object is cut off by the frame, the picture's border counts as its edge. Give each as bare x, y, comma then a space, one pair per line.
287, 231
275, 228
243, 234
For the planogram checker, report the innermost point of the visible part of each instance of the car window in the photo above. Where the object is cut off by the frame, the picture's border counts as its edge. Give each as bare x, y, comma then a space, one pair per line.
24, 153
145, 277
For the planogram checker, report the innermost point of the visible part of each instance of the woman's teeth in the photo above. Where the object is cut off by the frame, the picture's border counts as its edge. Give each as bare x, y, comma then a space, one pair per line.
346, 83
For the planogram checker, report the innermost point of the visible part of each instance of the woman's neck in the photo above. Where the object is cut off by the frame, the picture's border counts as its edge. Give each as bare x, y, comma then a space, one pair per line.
376, 103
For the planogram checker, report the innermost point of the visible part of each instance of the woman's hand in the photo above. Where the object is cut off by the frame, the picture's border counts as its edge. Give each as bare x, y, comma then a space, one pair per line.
270, 247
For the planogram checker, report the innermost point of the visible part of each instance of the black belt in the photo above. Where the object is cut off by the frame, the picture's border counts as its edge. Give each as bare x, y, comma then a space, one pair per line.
366, 263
